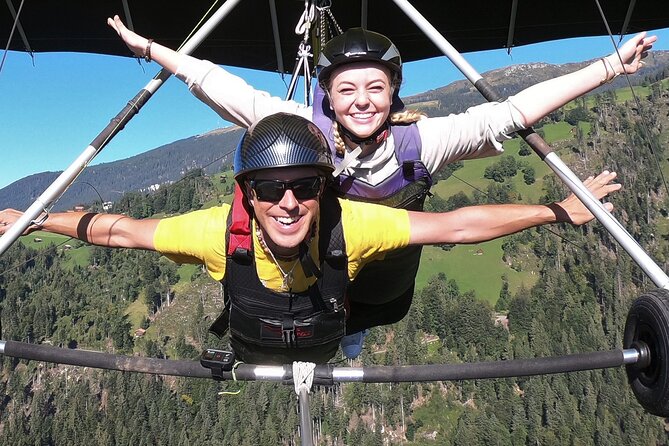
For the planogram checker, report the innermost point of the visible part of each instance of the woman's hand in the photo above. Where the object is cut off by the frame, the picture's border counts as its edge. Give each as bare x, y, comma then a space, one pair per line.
134, 41
632, 54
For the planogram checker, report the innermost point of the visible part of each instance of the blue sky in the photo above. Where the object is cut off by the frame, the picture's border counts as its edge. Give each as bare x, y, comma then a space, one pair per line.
53, 106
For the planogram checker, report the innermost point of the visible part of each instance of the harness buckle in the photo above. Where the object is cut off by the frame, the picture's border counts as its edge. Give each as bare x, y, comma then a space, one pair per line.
408, 170
288, 331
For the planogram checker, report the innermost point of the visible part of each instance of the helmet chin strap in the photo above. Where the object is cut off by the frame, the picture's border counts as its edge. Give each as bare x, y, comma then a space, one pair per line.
377, 137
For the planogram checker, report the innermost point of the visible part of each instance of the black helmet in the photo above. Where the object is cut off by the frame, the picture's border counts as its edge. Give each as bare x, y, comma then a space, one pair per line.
357, 45
282, 140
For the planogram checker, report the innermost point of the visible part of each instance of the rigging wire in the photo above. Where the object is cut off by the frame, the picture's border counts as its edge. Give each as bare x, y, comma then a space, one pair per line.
643, 123
195, 28
198, 24
644, 126
36, 256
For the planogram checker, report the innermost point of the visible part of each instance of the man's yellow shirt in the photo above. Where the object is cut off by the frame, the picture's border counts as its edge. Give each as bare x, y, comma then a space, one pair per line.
370, 231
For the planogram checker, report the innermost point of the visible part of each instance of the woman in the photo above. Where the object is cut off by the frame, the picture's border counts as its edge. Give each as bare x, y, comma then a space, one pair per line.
285, 302
384, 154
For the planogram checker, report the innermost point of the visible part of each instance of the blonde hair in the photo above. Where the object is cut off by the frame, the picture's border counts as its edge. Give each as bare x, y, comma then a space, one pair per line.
403, 117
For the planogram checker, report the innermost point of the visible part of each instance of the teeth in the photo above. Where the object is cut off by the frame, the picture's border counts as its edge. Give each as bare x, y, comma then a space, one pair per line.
286, 220
362, 115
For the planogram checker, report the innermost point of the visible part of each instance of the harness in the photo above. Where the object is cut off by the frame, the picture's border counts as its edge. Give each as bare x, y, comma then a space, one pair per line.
405, 188
276, 327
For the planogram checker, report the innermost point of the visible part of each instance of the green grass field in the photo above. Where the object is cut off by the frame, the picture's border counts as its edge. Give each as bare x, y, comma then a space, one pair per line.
75, 252
80, 256
186, 271
477, 268
437, 415
221, 182
482, 273
137, 312
470, 176
41, 240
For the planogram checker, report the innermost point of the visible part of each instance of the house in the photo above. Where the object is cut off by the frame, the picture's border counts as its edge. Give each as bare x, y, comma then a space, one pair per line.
502, 320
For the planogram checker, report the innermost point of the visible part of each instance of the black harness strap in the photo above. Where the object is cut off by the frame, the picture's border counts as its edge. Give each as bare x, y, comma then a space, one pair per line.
273, 326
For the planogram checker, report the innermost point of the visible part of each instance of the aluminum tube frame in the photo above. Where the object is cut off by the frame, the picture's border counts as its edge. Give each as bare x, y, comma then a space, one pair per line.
364, 13
647, 264
327, 374
306, 430
44, 202
440, 42
277, 37
631, 356
17, 26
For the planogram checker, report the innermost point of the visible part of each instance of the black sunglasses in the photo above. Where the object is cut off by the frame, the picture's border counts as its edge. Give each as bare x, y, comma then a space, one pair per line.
273, 190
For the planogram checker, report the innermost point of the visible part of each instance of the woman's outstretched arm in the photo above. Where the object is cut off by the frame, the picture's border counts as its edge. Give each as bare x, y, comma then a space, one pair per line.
141, 47
537, 101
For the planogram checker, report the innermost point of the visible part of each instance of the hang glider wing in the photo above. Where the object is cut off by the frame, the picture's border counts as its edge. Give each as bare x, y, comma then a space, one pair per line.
246, 37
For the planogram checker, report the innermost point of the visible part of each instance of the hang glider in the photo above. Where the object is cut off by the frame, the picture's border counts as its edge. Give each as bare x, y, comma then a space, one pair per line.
261, 35
265, 38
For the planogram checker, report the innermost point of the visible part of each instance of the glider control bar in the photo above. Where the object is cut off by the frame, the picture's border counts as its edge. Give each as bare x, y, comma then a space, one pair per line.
327, 374
44, 202
545, 152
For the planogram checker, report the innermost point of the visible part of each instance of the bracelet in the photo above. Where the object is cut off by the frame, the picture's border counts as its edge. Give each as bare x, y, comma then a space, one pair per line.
606, 79
147, 51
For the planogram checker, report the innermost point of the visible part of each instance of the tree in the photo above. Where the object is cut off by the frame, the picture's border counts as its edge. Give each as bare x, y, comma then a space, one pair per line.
524, 149
504, 295
577, 114
528, 175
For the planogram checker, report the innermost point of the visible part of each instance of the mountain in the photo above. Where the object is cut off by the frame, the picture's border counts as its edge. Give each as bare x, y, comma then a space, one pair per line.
460, 95
213, 150
145, 171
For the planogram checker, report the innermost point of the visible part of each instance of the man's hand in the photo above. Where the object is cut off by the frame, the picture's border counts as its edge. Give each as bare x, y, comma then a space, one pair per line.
10, 216
573, 211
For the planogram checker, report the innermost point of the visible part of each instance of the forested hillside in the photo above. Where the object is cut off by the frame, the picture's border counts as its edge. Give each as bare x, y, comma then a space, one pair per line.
94, 298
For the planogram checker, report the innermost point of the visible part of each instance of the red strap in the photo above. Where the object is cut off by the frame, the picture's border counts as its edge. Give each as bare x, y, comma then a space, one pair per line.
240, 229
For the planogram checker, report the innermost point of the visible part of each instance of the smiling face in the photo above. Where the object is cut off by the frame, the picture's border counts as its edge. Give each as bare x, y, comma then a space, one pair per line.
287, 222
360, 95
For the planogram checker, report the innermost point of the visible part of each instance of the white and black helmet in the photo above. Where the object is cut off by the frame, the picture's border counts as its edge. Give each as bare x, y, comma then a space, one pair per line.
357, 45
282, 140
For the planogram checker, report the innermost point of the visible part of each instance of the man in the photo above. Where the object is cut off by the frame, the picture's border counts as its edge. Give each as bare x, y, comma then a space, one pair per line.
285, 291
